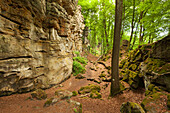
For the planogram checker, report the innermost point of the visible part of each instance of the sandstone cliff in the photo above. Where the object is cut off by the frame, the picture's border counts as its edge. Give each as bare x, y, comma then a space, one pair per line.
37, 38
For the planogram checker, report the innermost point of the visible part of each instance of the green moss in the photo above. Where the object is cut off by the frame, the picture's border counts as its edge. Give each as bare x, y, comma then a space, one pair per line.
48, 102
57, 92
155, 65
123, 74
82, 60
75, 93
126, 75
156, 95
95, 94
133, 80
131, 107
102, 75
103, 78
126, 65
147, 92
133, 75
92, 89
79, 64
138, 58
78, 68
89, 88
133, 67
39, 94
109, 67
79, 109
108, 71
137, 53
79, 76
107, 57
156, 89
145, 57
164, 69
5, 93
77, 53
150, 87
75, 110
151, 98
122, 87
122, 63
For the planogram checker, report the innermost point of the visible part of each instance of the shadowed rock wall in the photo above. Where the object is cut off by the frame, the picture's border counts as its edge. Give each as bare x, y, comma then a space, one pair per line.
37, 38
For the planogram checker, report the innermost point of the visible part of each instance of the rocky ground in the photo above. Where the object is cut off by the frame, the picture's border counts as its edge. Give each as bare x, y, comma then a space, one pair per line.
23, 103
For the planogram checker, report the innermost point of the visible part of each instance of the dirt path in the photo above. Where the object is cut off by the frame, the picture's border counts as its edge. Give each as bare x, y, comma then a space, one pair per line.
18, 103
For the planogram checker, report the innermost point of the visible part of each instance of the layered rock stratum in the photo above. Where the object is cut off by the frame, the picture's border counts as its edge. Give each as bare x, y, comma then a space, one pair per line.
37, 39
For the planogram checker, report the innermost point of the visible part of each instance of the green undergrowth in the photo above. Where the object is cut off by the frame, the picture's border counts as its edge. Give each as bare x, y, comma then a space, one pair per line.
79, 64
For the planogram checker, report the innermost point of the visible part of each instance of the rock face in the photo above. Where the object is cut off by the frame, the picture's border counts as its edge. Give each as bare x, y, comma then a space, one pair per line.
161, 49
37, 38
145, 64
148, 66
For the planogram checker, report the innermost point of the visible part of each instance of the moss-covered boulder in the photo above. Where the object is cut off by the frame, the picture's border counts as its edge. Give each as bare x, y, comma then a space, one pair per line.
92, 90
95, 94
144, 63
155, 103
74, 93
131, 107
63, 94
50, 101
39, 94
80, 76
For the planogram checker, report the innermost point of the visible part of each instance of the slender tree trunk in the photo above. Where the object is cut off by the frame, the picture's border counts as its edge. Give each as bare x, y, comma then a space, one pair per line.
105, 29
115, 88
141, 27
135, 35
112, 34
149, 38
132, 24
123, 21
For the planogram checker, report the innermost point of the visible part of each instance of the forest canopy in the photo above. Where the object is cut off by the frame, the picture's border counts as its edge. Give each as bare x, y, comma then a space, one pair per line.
143, 21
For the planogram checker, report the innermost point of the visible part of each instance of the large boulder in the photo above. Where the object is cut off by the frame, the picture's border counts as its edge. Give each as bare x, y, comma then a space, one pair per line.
131, 107
148, 66
144, 66
156, 102
161, 49
37, 38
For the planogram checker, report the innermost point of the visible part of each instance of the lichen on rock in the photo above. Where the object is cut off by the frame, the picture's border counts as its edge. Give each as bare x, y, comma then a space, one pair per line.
142, 64
92, 90
131, 107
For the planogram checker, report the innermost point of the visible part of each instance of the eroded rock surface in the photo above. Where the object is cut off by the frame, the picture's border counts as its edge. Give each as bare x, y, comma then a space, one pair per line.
148, 66
37, 38
144, 64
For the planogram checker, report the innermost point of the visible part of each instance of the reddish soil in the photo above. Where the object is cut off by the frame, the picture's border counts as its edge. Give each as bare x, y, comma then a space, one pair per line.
18, 103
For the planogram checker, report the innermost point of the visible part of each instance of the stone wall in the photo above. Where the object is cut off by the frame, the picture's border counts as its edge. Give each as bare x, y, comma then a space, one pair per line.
37, 39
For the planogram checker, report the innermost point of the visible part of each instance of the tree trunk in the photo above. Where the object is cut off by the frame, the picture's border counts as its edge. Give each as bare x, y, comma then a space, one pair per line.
135, 34
141, 27
132, 23
123, 21
115, 88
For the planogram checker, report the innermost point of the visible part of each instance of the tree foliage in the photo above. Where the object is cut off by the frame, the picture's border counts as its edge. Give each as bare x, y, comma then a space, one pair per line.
150, 20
